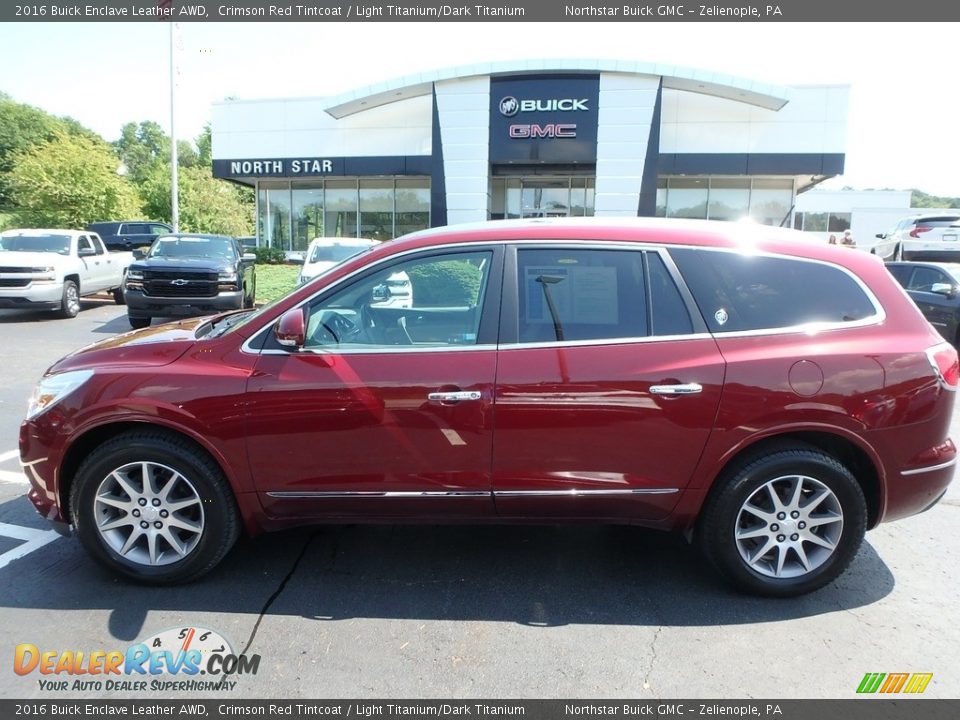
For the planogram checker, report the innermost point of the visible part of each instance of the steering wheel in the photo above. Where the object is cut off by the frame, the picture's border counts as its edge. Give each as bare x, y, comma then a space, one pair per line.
338, 328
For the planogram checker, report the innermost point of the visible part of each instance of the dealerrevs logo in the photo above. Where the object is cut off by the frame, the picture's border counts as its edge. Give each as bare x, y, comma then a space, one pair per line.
510, 106
180, 652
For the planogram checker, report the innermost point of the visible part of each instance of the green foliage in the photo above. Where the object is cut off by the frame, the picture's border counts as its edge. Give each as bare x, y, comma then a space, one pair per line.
206, 205
449, 283
22, 127
68, 182
270, 255
920, 199
142, 148
274, 281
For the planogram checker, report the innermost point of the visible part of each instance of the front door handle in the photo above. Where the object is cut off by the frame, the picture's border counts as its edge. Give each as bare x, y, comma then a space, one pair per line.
681, 389
452, 397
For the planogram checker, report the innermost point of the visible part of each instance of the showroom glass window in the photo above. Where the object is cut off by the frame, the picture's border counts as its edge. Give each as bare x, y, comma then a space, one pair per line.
273, 203
307, 214
376, 209
413, 206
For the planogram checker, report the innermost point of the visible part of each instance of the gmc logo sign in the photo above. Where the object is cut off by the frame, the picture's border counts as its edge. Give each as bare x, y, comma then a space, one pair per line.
547, 130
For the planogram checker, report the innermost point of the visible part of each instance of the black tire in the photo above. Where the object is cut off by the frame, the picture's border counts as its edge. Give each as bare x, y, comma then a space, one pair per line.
898, 253
70, 300
248, 295
212, 506
724, 514
118, 297
138, 322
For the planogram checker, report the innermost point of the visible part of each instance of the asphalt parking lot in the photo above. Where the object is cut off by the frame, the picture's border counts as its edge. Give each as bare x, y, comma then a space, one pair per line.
474, 612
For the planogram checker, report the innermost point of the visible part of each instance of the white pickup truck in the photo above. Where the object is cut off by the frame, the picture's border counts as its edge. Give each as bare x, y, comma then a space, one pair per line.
53, 269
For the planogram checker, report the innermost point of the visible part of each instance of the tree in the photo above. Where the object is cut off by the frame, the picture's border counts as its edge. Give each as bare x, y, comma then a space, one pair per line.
206, 205
920, 199
141, 148
69, 182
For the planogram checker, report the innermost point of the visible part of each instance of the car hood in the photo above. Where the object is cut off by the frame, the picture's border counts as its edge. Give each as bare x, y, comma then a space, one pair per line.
150, 347
22, 258
182, 263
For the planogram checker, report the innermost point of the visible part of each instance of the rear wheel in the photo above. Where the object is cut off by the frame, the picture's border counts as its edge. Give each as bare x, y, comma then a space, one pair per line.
152, 507
784, 524
138, 322
70, 302
118, 297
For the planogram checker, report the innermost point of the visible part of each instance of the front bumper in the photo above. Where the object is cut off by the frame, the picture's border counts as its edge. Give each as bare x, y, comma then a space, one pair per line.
144, 306
35, 296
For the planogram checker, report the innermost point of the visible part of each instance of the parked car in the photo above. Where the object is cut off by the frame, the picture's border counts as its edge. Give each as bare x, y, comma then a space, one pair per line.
248, 242
768, 397
129, 234
920, 238
189, 274
53, 269
325, 253
935, 288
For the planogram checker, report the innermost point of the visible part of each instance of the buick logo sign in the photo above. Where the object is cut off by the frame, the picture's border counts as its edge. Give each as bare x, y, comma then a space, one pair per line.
509, 106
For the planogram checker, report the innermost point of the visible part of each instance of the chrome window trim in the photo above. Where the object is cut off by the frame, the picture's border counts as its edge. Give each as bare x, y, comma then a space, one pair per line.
929, 468
877, 318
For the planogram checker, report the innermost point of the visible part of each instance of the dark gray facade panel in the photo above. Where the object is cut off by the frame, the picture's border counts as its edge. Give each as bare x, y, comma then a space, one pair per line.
751, 163
647, 207
438, 179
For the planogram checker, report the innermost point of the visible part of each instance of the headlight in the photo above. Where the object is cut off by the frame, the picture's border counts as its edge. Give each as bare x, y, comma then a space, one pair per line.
50, 390
134, 274
227, 276
48, 274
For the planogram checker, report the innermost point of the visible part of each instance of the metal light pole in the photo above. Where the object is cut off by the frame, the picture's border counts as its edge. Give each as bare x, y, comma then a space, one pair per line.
174, 195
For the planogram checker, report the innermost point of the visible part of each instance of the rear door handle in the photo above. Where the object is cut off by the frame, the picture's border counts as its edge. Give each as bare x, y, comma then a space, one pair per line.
452, 397
681, 389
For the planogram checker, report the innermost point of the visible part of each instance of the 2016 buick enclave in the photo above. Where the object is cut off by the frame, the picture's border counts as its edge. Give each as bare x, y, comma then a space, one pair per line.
769, 397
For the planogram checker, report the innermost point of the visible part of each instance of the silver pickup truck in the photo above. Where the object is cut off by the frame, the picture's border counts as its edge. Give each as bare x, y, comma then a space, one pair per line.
53, 269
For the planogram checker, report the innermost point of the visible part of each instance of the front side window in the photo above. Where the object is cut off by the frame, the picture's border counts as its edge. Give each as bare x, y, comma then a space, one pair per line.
422, 303
741, 292
580, 294
924, 279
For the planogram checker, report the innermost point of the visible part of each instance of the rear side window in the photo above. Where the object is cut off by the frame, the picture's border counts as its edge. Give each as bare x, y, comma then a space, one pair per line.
581, 295
738, 292
136, 229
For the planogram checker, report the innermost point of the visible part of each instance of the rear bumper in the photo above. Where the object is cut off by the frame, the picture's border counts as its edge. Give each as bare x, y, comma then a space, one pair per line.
144, 306
918, 488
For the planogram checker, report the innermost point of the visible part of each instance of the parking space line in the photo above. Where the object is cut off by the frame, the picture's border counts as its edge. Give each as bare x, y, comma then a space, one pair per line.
33, 540
13, 477
9, 455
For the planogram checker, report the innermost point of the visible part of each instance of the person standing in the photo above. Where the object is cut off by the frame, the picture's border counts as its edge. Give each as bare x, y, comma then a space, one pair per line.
847, 239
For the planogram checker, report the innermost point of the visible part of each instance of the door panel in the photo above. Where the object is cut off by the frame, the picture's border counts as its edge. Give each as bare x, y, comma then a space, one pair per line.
579, 433
330, 435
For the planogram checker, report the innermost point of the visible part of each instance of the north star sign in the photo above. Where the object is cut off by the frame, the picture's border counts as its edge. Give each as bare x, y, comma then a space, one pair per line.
301, 166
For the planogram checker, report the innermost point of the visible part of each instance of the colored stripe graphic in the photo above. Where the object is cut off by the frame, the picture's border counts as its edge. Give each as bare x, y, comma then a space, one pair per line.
870, 682
918, 683
894, 682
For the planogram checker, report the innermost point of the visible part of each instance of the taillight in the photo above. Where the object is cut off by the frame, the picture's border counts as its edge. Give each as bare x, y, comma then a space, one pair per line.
943, 359
920, 229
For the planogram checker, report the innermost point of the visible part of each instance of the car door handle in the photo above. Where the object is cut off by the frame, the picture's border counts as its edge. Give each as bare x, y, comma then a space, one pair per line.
681, 389
451, 397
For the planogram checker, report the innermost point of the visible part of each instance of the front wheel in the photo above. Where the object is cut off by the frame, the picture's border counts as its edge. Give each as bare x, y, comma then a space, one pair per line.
70, 301
785, 524
138, 322
154, 508
118, 297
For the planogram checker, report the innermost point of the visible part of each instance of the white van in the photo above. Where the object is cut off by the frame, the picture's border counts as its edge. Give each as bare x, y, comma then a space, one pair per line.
324, 253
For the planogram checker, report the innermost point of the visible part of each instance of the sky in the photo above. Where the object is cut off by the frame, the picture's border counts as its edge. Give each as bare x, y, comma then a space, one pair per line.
902, 121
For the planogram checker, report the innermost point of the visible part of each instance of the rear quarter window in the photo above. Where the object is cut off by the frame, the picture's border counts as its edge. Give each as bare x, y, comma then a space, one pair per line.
737, 292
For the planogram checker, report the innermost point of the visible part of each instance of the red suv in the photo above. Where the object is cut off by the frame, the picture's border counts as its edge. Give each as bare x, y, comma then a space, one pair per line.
769, 397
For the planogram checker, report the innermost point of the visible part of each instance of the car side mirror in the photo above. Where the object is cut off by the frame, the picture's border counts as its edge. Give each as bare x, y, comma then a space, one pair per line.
380, 293
249, 257
881, 236
86, 252
291, 329
139, 254
946, 289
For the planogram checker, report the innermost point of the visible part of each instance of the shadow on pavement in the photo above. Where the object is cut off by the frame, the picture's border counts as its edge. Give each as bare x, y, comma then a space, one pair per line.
530, 575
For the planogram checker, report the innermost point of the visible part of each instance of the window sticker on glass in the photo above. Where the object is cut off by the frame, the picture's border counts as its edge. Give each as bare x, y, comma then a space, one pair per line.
571, 295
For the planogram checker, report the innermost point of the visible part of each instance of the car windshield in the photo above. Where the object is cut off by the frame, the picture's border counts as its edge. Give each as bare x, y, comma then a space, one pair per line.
336, 253
59, 244
174, 247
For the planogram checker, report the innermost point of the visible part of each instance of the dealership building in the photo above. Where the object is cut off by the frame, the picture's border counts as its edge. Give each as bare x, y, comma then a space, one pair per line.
529, 139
